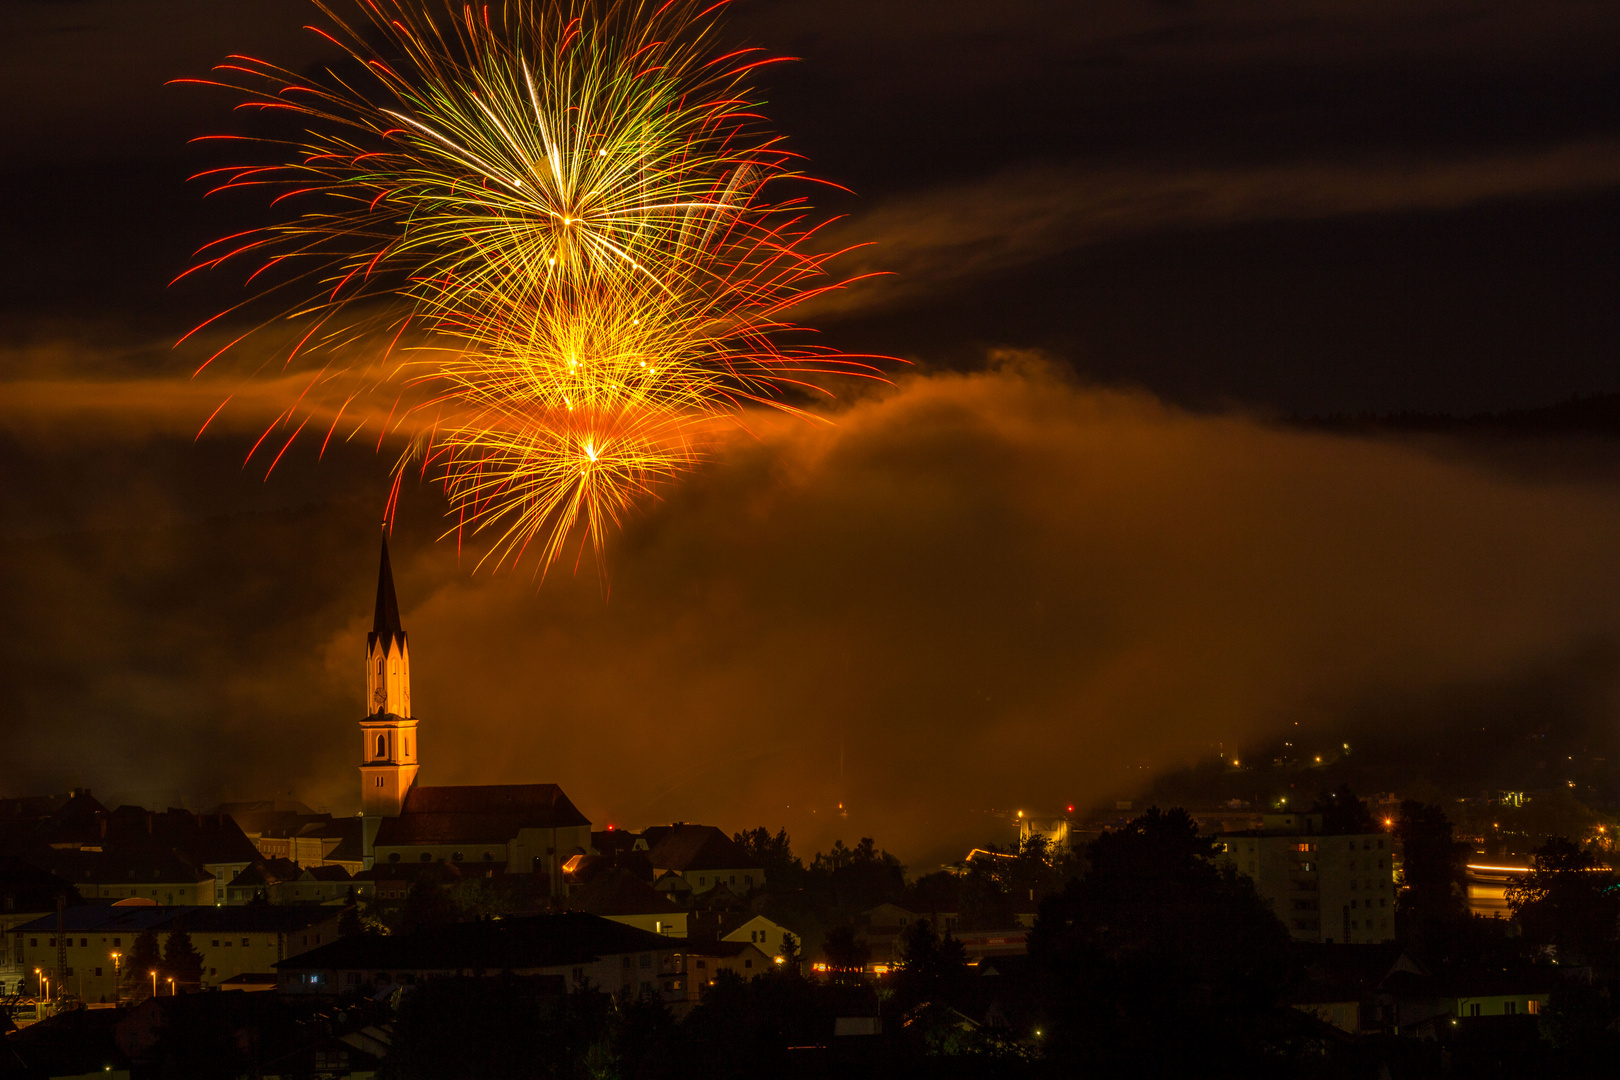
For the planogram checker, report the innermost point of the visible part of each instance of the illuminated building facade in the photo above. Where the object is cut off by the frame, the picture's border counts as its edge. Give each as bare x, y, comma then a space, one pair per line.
1328, 888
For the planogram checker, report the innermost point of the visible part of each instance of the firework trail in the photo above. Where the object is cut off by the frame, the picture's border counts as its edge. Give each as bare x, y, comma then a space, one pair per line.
562, 219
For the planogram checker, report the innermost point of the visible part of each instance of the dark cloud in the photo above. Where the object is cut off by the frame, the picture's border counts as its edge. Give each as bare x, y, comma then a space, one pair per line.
935, 239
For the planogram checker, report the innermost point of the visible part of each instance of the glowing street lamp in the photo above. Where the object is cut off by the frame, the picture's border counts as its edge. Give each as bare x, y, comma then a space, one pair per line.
171, 987
153, 973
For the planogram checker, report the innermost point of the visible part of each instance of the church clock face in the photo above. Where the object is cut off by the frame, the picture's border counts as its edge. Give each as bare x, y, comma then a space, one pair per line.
380, 695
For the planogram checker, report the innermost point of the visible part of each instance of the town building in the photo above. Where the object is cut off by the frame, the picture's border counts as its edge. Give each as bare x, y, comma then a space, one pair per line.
523, 828
173, 857
623, 897
232, 941
704, 962
757, 930
702, 856
1325, 887
579, 949
284, 829
26, 893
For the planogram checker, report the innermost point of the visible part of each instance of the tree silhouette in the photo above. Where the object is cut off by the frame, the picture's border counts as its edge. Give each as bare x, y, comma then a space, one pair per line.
1431, 911
1159, 961
1568, 902
784, 871
1343, 813
145, 958
847, 955
181, 960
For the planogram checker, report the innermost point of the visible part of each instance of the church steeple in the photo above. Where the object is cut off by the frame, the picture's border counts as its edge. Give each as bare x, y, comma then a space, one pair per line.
388, 733
385, 626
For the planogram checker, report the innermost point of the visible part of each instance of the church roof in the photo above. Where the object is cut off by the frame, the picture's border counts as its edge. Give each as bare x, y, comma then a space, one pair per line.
385, 625
684, 848
485, 814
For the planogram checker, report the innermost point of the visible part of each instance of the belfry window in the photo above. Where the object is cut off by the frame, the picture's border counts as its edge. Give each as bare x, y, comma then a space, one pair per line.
382, 746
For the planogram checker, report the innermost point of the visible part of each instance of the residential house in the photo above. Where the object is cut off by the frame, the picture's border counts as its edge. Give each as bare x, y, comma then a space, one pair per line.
703, 857
621, 896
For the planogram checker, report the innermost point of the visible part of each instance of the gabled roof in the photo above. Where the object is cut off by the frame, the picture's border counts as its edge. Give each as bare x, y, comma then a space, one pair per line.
350, 846
490, 814
265, 872
325, 873
25, 887
528, 942
684, 848
619, 892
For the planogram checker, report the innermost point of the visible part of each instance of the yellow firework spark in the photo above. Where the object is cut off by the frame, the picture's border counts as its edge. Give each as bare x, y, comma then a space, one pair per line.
575, 203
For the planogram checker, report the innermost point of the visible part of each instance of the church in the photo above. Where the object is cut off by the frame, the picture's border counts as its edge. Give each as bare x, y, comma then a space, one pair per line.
520, 828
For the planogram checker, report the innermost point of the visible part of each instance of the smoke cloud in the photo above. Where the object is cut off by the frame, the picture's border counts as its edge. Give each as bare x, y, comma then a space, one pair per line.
964, 594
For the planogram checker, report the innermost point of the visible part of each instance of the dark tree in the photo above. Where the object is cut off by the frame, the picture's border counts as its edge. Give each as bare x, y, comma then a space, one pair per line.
847, 881
784, 871
1159, 961
1568, 902
789, 953
502, 1028
847, 955
181, 960
1431, 912
145, 958
1343, 813
349, 923
428, 902
933, 893
927, 961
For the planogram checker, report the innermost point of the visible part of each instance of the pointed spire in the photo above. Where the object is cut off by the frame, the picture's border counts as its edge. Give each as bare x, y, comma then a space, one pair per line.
385, 627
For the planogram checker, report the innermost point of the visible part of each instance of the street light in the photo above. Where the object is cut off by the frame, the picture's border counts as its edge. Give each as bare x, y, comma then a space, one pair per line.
171, 988
153, 973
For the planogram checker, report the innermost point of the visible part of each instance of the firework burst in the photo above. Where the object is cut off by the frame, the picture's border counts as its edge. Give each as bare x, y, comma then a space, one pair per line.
571, 207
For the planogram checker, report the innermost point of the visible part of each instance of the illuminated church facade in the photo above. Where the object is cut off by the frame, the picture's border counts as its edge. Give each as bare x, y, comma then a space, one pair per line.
517, 828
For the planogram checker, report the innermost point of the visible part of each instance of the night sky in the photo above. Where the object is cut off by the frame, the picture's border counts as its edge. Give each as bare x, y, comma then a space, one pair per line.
1082, 537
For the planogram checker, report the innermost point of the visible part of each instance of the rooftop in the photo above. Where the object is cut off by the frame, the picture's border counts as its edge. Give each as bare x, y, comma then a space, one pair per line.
489, 814
684, 848
528, 942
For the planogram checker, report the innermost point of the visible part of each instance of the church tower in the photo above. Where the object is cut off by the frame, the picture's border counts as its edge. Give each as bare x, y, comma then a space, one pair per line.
388, 734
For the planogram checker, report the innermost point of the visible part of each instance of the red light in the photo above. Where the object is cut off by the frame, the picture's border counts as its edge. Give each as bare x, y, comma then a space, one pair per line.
1071, 809
610, 828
